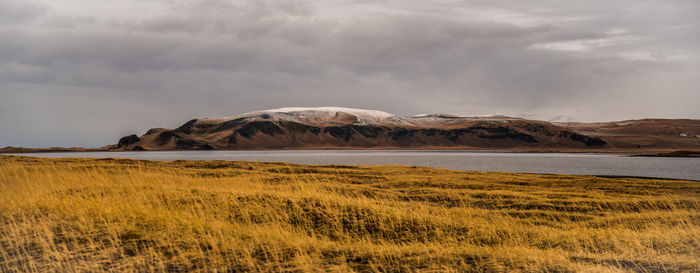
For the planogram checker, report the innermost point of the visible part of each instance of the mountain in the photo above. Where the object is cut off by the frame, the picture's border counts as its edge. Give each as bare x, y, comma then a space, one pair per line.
335, 127
655, 134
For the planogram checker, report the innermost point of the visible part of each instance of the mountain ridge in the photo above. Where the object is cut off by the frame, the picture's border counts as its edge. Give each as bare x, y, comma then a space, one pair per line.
348, 128
337, 127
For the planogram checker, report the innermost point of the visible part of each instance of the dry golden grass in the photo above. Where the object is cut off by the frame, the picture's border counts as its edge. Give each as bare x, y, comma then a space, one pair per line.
78, 215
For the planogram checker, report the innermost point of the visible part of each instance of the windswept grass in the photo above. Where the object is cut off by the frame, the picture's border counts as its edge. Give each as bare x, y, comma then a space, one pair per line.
79, 215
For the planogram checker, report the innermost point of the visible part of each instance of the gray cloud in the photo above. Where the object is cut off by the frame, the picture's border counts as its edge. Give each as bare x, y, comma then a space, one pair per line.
17, 12
84, 73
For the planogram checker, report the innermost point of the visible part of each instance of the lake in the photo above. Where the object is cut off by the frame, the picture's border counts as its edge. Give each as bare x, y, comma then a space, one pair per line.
490, 161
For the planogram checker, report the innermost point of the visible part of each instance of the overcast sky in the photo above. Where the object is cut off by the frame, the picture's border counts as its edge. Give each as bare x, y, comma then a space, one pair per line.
86, 72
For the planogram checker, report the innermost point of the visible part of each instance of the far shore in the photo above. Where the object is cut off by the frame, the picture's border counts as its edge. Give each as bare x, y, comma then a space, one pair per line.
629, 152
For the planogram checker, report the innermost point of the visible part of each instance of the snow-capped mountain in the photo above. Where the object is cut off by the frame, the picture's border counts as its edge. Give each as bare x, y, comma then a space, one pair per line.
338, 127
329, 116
317, 116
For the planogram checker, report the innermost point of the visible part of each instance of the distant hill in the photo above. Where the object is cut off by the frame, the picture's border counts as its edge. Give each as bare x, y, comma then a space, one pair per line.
655, 134
334, 127
347, 128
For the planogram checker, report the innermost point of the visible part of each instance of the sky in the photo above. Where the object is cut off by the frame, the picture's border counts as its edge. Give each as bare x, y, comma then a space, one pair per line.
86, 72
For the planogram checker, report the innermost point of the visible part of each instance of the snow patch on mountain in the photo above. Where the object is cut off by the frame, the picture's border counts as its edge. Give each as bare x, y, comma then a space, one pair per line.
373, 114
317, 115
335, 116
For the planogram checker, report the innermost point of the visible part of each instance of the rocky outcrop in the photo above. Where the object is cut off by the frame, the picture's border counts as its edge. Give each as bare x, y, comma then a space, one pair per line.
127, 140
589, 141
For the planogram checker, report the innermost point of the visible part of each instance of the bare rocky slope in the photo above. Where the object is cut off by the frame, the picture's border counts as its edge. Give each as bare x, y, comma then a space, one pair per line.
332, 127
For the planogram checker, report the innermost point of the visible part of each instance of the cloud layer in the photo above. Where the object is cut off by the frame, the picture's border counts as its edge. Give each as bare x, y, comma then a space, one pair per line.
83, 73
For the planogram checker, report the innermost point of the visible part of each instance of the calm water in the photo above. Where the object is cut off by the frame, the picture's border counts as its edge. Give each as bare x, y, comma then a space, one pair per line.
560, 163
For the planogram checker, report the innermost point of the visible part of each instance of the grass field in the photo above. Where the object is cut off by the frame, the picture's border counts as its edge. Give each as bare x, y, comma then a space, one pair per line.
78, 215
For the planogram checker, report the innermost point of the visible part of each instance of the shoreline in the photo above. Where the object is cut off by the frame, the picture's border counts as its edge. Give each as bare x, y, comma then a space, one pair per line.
601, 173
204, 161
624, 152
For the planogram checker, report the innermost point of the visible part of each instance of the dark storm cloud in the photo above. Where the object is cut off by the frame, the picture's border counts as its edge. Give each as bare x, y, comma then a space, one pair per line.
85, 72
